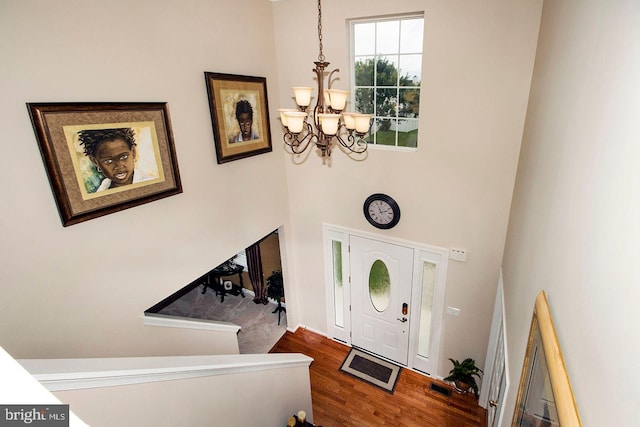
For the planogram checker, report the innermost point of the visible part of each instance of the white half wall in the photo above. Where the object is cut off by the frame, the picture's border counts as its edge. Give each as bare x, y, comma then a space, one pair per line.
250, 390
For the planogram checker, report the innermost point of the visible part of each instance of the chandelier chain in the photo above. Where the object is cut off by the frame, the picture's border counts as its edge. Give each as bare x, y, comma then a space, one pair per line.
320, 54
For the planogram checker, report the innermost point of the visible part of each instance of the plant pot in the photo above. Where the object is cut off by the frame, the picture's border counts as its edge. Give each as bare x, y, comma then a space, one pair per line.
461, 386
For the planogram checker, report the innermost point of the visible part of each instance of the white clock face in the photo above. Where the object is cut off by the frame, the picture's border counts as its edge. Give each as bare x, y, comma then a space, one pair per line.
381, 212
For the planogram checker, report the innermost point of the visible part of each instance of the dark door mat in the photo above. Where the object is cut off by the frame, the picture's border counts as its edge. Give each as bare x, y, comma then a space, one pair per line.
371, 369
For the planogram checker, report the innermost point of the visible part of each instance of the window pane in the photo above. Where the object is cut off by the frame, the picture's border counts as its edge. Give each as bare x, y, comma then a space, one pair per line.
426, 305
409, 105
364, 71
364, 38
410, 70
364, 101
386, 101
379, 286
387, 70
387, 37
408, 138
383, 134
338, 289
411, 35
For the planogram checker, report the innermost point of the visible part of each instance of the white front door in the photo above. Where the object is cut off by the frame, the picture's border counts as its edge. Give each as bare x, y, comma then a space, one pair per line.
381, 279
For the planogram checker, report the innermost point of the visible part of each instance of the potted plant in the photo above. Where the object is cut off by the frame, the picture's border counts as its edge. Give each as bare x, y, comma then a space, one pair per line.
463, 374
275, 290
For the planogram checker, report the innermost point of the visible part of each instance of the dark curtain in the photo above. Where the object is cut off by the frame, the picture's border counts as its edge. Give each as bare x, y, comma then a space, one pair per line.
255, 273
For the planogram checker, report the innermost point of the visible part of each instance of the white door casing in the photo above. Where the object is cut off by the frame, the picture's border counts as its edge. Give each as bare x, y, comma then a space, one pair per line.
381, 327
494, 389
497, 389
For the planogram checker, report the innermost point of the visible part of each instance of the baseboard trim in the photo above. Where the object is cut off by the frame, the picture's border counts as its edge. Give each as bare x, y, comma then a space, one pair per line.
315, 331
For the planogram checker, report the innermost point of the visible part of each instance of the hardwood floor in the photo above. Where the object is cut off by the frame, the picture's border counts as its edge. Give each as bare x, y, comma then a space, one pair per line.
340, 400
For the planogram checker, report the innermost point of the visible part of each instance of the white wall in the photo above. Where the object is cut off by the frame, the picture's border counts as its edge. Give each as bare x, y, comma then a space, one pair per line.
79, 291
226, 400
574, 223
456, 189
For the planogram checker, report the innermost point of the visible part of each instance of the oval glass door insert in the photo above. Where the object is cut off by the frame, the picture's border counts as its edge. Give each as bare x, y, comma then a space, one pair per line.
379, 286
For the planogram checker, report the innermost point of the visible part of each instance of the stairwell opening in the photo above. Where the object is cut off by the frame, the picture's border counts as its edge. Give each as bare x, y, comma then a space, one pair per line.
242, 291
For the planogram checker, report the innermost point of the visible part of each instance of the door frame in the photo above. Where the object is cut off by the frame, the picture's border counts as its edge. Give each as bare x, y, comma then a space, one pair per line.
438, 255
498, 326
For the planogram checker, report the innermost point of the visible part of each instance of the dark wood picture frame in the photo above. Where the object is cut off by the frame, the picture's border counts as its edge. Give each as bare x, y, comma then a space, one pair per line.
82, 190
230, 95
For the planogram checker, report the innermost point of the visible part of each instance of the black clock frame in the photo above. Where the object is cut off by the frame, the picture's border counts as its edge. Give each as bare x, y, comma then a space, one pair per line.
387, 199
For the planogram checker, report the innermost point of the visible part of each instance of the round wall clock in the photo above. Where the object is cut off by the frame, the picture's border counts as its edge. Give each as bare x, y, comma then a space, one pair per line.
381, 211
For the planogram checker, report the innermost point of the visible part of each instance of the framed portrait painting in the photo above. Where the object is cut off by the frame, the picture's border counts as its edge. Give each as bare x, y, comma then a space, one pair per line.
239, 115
104, 157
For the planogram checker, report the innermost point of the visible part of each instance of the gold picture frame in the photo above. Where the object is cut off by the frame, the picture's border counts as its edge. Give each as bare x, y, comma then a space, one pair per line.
239, 115
545, 397
87, 185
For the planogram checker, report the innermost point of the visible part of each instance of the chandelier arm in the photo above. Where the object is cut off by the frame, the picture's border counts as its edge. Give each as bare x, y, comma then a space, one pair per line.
297, 144
315, 118
350, 137
344, 143
329, 79
358, 141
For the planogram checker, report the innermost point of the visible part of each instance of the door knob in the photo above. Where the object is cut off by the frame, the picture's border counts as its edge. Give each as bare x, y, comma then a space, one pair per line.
404, 319
493, 403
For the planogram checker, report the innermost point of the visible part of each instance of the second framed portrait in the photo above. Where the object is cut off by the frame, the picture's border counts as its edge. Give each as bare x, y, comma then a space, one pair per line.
239, 115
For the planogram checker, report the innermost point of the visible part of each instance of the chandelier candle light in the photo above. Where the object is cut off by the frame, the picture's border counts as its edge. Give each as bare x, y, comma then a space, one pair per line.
329, 121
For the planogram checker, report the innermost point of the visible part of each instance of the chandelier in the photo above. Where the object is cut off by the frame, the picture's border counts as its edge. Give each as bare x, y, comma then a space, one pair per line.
329, 123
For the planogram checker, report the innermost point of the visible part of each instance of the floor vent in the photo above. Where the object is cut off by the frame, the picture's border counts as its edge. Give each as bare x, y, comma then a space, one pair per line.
445, 391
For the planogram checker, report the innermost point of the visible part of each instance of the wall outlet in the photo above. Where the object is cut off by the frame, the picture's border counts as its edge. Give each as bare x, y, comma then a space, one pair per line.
458, 255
